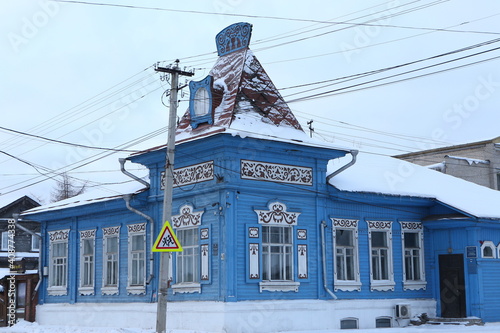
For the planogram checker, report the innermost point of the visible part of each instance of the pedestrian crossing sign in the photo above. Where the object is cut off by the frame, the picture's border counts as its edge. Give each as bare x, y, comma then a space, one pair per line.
167, 241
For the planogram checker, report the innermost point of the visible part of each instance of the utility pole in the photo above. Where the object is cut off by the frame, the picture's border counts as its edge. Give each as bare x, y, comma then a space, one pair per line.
161, 310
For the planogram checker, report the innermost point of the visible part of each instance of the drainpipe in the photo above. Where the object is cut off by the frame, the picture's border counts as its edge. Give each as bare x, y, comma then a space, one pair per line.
354, 153
127, 198
323, 250
40, 251
131, 175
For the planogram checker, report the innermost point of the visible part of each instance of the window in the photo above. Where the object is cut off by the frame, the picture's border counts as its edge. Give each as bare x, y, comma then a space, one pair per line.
58, 262
383, 322
188, 259
5, 241
110, 267
349, 324
346, 262
273, 246
277, 253
412, 237
35, 242
488, 249
136, 258
381, 266
87, 254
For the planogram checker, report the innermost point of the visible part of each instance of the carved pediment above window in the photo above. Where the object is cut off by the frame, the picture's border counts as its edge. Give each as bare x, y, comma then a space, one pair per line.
277, 215
187, 217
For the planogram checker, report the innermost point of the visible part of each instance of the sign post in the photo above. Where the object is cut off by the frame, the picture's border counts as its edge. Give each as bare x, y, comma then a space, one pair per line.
167, 240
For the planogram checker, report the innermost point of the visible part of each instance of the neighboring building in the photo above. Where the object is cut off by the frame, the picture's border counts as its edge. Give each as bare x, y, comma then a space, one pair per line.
477, 162
22, 249
279, 232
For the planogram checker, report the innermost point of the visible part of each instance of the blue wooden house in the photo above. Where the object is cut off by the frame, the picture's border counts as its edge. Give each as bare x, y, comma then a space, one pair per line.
279, 232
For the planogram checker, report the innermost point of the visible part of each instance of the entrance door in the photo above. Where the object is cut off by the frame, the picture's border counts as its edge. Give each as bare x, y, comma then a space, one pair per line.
452, 285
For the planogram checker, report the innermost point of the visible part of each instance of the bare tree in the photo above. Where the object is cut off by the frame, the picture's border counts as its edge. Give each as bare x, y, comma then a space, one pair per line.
65, 188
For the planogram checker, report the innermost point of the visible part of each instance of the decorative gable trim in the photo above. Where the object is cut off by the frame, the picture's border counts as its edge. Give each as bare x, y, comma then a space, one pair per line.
233, 38
192, 174
277, 215
187, 217
272, 172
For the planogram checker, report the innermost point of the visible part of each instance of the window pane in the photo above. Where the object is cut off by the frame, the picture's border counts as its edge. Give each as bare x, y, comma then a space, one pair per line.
379, 239
138, 243
112, 244
344, 237
411, 240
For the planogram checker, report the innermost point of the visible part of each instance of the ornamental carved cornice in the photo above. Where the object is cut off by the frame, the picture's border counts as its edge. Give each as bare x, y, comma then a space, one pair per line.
111, 231
379, 225
135, 228
414, 226
277, 215
345, 223
192, 174
273, 172
59, 235
87, 234
187, 217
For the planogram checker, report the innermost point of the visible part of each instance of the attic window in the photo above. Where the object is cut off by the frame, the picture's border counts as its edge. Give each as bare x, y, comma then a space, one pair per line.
200, 101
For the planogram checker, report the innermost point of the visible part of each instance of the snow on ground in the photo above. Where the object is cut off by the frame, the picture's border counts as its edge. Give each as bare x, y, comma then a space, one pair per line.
26, 327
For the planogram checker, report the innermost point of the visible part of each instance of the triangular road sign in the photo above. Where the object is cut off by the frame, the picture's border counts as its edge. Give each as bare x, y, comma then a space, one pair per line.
167, 241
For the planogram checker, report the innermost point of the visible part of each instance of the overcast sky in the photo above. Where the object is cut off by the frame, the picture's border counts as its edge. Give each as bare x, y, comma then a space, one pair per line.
83, 74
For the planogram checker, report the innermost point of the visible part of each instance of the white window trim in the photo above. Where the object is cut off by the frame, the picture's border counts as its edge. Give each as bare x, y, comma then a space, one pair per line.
278, 215
492, 247
346, 285
279, 286
382, 226
498, 250
59, 236
413, 227
33, 239
87, 235
5, 241
134, 230
109, 233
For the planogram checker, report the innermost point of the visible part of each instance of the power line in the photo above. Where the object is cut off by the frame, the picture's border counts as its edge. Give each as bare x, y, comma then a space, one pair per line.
270, 17
65, 142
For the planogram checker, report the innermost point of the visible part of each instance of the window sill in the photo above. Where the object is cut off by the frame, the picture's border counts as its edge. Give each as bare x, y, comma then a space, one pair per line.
109, 290
136, 290
279, 286
382, 285
186, 288
347, 286
86, 291
414, 285
57, 291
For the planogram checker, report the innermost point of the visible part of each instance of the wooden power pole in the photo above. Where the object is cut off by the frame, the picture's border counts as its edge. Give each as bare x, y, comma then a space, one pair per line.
161, 310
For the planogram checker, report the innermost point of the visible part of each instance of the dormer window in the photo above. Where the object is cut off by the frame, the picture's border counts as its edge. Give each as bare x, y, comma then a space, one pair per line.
200, 102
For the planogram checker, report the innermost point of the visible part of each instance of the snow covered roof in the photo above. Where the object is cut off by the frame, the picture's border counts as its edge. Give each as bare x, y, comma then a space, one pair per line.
468, 160
91, 196
387, 175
